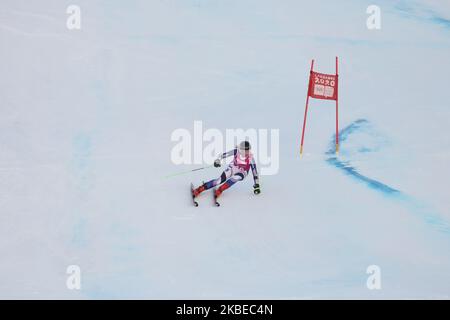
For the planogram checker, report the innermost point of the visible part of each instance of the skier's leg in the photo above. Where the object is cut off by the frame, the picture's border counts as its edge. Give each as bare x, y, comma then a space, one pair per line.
212, 183
234, 178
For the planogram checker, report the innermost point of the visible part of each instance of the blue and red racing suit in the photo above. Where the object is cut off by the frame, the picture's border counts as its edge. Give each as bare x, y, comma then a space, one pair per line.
236, 171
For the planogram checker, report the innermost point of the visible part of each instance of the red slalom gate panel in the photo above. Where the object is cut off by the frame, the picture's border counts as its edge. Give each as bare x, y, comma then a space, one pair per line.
322, 86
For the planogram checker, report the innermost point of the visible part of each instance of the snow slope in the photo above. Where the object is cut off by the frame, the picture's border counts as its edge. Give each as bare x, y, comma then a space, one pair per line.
85, 126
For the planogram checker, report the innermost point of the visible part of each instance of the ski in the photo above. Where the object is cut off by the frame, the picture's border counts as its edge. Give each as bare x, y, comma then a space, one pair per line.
193, 197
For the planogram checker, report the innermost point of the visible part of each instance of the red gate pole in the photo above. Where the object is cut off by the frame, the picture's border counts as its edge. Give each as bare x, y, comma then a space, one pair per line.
337, 114
306, 109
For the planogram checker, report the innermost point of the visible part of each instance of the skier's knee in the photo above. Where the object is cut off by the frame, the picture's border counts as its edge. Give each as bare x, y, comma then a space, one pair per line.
230, 182
210, 184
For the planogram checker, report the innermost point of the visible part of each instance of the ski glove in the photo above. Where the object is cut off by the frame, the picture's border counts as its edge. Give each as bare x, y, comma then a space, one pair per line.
256, 189
217, 163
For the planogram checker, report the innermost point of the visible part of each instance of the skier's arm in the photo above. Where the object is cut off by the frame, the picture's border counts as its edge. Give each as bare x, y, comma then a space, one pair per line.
227, 154
256, 188
223, 156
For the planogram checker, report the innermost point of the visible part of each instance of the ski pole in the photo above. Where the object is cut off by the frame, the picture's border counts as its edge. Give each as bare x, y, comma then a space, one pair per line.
184, 172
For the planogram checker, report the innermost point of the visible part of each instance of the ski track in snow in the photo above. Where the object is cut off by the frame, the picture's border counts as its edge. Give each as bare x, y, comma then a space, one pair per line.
415, 206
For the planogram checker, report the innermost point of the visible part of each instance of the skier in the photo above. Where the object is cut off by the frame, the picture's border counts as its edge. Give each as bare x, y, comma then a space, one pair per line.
236, 171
